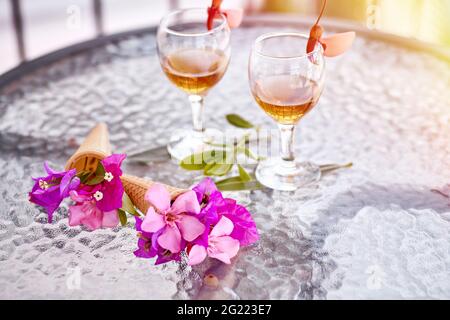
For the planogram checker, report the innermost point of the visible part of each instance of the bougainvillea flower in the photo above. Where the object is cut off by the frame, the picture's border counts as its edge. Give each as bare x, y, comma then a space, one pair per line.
111, 190
215, 206
49, 191
205, 189
244, 226
148, 246
221, 245
87, 213
208, 196
178, 220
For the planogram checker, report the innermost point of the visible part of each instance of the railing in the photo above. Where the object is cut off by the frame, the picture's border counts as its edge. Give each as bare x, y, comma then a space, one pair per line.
19, 28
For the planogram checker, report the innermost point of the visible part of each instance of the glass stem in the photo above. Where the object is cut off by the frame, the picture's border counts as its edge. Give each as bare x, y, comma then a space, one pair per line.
197, 112
287, 134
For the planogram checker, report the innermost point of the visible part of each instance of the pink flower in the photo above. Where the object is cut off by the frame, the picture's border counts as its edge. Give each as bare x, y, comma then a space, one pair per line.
111, 189
178, 219
244, 226
148, 247
220, 245
51, 190
88, 214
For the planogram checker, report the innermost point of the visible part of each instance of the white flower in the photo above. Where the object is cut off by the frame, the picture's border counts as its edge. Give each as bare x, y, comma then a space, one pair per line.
98, 195
43, 184
109, 176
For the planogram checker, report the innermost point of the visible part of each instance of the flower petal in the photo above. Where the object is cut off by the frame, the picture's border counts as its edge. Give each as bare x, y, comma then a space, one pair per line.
76, 215
196, 255
244, 226
205, 187
67, 182
153, 221
228, 245
112, 195
234, 16
338, 44
186, 203
138, 223
223, 228
170, 239
77, 197
110, 219
93, 218
220, 256
50, 171
113, 163
159, 197
190, 227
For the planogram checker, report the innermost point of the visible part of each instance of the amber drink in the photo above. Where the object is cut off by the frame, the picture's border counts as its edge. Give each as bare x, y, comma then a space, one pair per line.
195, 70
286, 98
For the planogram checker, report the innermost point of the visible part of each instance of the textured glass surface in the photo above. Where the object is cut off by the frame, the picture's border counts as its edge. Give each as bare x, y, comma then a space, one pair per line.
374, 231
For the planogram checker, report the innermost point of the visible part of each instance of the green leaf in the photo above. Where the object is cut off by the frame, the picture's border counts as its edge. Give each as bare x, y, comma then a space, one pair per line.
95, 180
128, 206
205, 160
208, 167
194, 162
218, 170
122, 217
236, 184
245, 177
98, 177
228, 180
100, 171
83, 176
238, 121
214, 156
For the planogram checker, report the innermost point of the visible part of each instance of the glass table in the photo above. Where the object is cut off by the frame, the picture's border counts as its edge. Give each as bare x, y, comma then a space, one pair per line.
373, 231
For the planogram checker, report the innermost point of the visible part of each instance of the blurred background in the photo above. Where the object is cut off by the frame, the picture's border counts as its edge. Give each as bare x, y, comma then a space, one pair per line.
31, 28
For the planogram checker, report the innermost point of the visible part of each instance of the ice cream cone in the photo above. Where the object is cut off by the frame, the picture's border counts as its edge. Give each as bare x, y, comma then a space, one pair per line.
136, 188
95, 147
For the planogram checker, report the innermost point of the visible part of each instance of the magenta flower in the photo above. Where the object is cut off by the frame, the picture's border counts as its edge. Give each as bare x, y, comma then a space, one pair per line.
244, 226
214, 206
220, 245
87, 213
110, 191
205, 189
49, 191
177, 221
148, 246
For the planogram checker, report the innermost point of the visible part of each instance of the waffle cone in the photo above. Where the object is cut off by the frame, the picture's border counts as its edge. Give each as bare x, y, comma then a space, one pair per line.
95, 147
136, 188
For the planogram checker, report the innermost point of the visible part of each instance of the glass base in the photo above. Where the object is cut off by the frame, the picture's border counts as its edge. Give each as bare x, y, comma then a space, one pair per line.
185, 142
283, 175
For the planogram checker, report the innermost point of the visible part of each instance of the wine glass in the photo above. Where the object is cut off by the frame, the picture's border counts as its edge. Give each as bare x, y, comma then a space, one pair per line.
194, 59
287, 83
